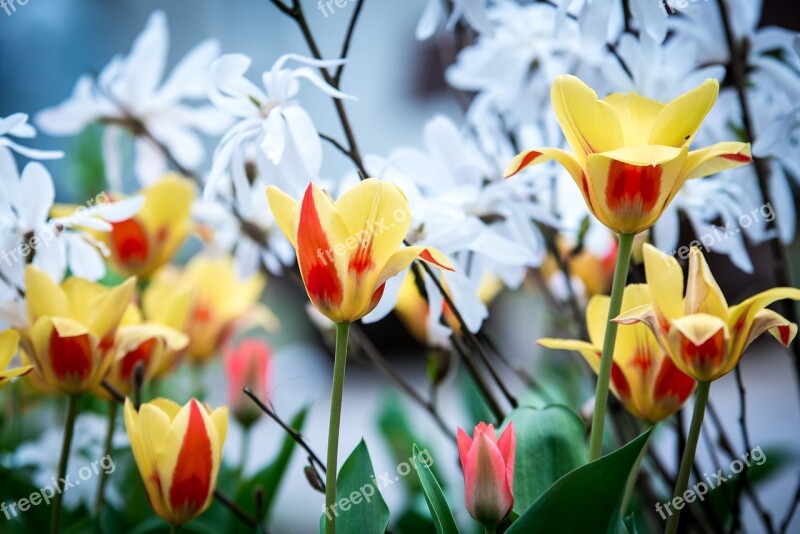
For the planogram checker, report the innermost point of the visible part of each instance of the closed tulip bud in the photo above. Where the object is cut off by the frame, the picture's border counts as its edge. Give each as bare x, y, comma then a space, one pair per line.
247, 364
488, 465
178, 451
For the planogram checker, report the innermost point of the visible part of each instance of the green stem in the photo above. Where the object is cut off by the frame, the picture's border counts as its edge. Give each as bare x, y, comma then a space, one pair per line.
700, 401
174, 529
489, 529
244, 452
635, 474
101, 487
342, 331
606, 360
69, 427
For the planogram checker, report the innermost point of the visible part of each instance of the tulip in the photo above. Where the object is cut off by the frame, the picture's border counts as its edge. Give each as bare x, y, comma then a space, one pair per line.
631, 154
247, 364
204, 300
702, 334
143, 243
348, 249
643, 376
488, 465
178, 451
72, 327
152, 345
9, 342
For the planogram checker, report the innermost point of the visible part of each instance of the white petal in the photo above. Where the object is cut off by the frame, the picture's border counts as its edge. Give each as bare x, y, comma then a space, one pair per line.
780, 194
149, 162
51, 258
475, 13
652, 15
431, 18
274, 141
229, 90
388, 300
305, 138
146, 62
83, 259
313, 77
36, 195
189, 79
15, 120
112, 156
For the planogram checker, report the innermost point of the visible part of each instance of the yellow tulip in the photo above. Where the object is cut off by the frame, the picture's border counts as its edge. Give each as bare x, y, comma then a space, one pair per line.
631, 154
142, 244
348, 249
9, 342
178, 451
72, 328
154, 345
643, 377
203, 300
703, 335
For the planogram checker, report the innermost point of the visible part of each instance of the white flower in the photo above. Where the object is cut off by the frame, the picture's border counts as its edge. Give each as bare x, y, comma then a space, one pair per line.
473, 11
129, 92
271, 120
16, 125
55, 243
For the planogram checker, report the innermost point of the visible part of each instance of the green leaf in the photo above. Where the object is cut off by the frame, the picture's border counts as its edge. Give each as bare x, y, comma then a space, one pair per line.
359, 508
550, 444
440, 511
587, 499
270, 477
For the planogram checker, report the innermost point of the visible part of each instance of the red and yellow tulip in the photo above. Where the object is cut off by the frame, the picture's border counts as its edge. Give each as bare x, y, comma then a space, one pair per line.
348, 249
178, 450
148, 240
702, 334
488, 464
72, 328
643, 377
630, 155
9, 343
205, 299
247, 364
154, 345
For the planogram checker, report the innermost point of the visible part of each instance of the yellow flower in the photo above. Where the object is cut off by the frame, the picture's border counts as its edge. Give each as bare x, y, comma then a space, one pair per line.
348, 249
203, 300
72, 328
149, 239
9, 342
643, 377
703, 335
178, 451
154, 345
631, 154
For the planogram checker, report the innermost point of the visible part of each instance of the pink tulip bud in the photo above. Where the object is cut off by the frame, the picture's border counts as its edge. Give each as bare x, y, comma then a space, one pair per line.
488, 465
247, 364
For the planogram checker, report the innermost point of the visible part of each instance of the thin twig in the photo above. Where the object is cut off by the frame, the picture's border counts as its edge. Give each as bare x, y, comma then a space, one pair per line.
792, 508
340, 147
348, 37
740, 483
237, 511
491, 401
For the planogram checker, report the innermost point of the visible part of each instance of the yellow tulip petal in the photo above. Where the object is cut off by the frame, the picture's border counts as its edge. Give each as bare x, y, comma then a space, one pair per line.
219, 418
589, 124
590, 352
716, 158
637, 116
742, 315
680, 119
665, 280
286, 211
597, 318
699, 347
43, 296
703, 294
9, 342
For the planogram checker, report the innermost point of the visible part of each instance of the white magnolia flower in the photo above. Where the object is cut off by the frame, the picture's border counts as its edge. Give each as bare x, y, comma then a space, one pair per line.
473, 11
54, 243
129, 93
16, 125
272, 125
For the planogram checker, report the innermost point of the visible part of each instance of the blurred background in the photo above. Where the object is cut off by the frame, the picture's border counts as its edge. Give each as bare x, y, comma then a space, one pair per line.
47, 44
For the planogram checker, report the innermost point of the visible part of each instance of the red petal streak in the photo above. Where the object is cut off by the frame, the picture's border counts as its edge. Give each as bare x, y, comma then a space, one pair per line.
130, 241
315, 255
632, 190
740, 158
202, 313
427, 256
672, 382
142, 353
707, 355
71, 357
362, 260
376, 296
618, 379
785, 332
191, 481
527, 159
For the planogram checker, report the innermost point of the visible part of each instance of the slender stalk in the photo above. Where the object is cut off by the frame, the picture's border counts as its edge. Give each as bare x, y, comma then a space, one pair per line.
69, 427
244, 452
606, 360
487, 529
700, 401
101, 486
634, 476
342, 332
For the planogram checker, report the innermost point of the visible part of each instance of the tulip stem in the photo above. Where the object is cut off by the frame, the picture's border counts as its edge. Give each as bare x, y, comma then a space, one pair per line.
487, 529
69, 427
101, 486
700, 401
607, 358
342, 332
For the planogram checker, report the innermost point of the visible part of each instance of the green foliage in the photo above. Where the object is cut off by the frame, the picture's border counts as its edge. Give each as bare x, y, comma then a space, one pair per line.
437, 503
